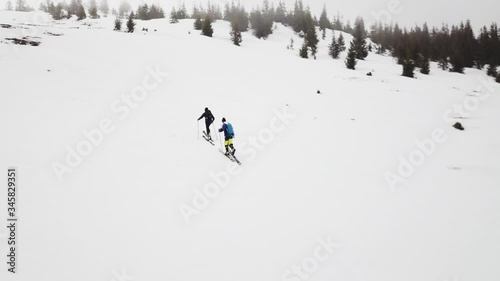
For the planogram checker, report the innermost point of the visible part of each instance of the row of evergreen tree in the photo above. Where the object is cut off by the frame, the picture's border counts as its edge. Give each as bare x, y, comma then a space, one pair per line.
262, 18
92, 9
76, 7
130, 23
20, 6
149, 12
452, 48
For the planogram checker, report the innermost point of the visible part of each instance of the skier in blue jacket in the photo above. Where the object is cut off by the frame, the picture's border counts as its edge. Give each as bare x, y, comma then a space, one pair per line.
227, 128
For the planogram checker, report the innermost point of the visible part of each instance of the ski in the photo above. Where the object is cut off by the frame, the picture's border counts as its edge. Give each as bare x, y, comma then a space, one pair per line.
236, 160
230, 156
227, 155
211, 141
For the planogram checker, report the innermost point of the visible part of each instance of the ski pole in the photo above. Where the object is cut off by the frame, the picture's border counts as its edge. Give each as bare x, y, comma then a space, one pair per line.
220, 140
215, 130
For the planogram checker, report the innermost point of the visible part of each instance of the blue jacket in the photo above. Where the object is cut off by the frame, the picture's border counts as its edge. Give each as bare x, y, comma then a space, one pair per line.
225, 129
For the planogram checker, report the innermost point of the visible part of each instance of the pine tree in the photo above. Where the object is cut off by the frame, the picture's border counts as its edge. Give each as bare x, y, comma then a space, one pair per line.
214, 11
50, 7
280, 14
333, 50
228, 11
348, 28
118, 24
482, 48
493, 50
315, 21
441, 47
469, 47
104, 7
198, 24
457, 62
380, 37
131, 23
425, 67
21, 5
297, 17
73, 8
337, 23
337, 46
262, 23
350, 61
236, 34
81, 13
304, 51
173, 16
498, 78
58, 12
424, 42
43, 7
269, 11
492, 70
196, 13
312, 40
67, 14
206, 28
443, 63
8, 6
463, 47
397, 39
237, 14
143, 12
153, 12
324, 22
182, 12
341, 43
408, 68
359, 40
93, 10
242, 18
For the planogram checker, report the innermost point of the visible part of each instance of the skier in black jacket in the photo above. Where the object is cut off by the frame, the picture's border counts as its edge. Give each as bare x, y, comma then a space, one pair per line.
209, 119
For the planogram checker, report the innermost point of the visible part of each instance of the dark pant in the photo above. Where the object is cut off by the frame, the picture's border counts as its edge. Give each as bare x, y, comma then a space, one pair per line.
208, 123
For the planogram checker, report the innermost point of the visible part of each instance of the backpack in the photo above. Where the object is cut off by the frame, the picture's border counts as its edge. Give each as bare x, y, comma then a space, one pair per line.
230, 130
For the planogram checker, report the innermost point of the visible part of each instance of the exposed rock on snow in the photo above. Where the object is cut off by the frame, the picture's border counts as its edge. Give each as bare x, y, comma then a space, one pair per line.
24, 41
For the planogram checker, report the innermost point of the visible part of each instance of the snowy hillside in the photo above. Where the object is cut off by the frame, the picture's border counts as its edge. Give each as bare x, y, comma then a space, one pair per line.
366, 181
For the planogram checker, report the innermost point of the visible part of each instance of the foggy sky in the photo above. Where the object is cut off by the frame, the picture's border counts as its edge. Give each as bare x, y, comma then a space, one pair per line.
405, 12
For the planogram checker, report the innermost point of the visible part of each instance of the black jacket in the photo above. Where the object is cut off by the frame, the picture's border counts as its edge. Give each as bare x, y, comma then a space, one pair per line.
209, 118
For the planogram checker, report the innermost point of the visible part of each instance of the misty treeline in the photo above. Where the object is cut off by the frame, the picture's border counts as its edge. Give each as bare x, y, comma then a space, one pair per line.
18, 5
453, 48
93, 9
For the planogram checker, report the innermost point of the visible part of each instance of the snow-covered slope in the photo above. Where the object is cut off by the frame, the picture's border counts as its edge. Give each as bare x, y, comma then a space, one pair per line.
151, 200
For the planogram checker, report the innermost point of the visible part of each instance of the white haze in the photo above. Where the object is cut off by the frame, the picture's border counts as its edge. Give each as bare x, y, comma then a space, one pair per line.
408, 12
